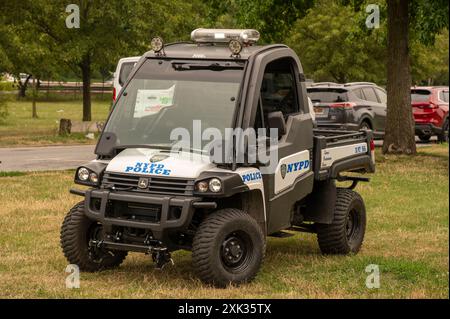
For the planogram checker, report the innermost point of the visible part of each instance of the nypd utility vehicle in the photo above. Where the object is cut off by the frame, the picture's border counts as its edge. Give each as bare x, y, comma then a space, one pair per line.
145, 196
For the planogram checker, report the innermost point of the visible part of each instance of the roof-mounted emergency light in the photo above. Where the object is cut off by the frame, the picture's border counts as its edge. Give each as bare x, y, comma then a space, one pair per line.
245, 36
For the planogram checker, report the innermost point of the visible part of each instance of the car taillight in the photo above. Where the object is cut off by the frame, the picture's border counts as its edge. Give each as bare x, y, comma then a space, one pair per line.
345, 105
114, 94
372, 150
372, 145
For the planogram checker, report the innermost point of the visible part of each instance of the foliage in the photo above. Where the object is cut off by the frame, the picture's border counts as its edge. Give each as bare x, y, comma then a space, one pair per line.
273, 18
428, 18
8, 86
108, 31
332, 46
429, 63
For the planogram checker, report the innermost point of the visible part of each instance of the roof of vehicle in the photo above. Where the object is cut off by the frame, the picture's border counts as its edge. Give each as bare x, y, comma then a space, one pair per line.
344, 86
190, 50
428, 87
129, 59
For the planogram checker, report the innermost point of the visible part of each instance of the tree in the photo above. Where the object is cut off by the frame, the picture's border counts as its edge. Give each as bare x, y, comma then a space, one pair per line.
333, 47
272, 18
429, 63
399, 134
107, 31
426, 19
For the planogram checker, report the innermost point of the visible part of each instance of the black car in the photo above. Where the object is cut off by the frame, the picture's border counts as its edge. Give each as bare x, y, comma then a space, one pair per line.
350, 106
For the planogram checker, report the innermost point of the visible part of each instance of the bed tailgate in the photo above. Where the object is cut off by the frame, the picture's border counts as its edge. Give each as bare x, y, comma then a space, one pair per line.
336, 152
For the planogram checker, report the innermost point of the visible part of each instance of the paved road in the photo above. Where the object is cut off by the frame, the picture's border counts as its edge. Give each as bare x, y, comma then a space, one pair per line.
45, 158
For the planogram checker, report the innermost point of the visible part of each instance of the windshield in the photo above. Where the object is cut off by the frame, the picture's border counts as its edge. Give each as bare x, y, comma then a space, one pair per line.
420, 95
163, 96
125, 71
328, 95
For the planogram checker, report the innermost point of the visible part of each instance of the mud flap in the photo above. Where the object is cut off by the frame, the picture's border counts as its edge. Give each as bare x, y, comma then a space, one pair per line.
319, 205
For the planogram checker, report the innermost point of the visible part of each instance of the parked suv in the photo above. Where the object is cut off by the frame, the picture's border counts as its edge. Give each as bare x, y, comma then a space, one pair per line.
350, 106
430, 109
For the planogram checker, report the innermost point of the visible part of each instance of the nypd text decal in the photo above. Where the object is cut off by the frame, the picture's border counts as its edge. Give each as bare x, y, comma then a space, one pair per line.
290, 168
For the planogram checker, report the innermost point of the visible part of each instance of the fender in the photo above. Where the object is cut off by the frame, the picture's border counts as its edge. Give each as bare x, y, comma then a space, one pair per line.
320, 204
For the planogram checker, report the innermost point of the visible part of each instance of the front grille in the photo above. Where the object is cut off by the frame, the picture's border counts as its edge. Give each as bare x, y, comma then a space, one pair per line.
156, 184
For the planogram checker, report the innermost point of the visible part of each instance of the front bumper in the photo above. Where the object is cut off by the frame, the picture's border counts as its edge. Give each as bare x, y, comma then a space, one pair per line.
427, 129
98, 203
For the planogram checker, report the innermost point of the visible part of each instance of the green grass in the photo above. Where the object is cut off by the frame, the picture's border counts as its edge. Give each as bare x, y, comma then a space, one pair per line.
19, 128
407, 236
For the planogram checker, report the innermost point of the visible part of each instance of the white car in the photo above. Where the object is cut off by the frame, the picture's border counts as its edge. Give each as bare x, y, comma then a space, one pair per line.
123, 70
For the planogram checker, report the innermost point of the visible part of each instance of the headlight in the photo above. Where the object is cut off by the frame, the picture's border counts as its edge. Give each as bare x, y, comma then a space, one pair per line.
215, 185
202, 186
83, 174
93, 178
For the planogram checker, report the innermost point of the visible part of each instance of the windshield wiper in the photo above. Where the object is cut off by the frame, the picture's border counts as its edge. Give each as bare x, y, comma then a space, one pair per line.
203, 66
155, 146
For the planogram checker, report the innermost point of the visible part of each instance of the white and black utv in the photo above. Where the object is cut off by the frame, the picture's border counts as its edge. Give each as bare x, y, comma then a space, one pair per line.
145, 196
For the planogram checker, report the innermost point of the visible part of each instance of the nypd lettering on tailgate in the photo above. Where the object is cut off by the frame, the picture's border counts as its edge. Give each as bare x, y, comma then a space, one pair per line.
148, 168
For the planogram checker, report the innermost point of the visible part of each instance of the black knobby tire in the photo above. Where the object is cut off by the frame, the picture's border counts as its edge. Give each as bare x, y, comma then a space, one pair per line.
443, 137
424, 138
76, 231
346, 233
365, 126
228, 247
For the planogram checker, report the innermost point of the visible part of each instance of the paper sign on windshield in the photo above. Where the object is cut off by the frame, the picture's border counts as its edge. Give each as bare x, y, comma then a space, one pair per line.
150, 102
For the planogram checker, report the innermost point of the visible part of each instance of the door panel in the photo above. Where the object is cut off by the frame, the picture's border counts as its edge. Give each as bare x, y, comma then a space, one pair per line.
376, 108
382, 108
292, 179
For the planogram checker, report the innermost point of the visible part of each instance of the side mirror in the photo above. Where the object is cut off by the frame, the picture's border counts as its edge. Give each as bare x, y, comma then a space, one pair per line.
276, 120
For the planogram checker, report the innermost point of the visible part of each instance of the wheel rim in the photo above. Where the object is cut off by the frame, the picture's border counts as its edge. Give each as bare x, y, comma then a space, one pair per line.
236, 251
352, 225
365, 126
95, 233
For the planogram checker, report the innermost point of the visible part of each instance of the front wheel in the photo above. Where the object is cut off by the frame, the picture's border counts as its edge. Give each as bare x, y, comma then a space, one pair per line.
346, 233
76, 232
228, 247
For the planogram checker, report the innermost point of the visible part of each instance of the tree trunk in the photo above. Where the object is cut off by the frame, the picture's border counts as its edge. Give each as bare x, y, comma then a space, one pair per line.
86, 74
23, 86
399, 137
65, 127
33, 96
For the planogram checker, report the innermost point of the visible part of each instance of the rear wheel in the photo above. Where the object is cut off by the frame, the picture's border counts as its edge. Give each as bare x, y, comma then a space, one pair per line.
424, 138
228, 247
76, 232
346, 233
365, 126
443, 137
